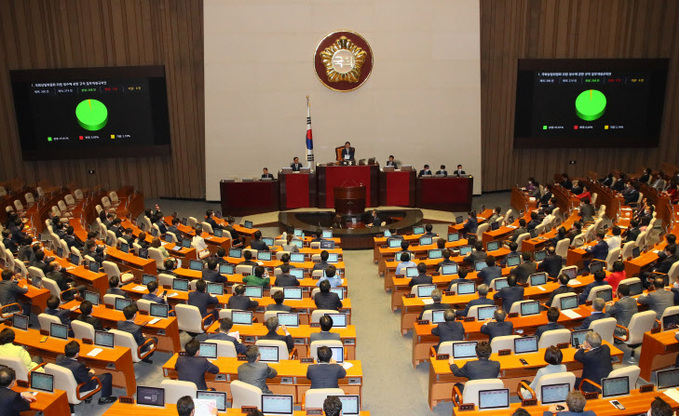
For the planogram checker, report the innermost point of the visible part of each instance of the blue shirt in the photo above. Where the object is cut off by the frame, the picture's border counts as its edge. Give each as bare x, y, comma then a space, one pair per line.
334, 281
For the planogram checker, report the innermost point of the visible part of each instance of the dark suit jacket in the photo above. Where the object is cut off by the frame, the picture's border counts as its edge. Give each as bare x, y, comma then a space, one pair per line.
220, 336
442, 172
96, 323
478, 301
509, 295
552, 265
490, 273
325, 376
241, 302
194, 369
599, 250
296, 167
471, 225
277, 307
349, 152
202, 300
328, 300
424, 172
9, 290
632, 234
517, 233
256, 374
12, 403
623, 310
283, 280
582, 298
435, 307
79, 370
449, 331
587, 212
272, 335
117, 291
549, 327
476, 370
593, 317
524, 270
259, 245
133, 329
475, 256
64, 315
532, 225
497, 329
558, 290
632, 197
596, 364
213, 276
421, 279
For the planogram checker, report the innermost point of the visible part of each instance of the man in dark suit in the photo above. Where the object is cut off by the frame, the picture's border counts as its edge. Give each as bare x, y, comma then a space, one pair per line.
631, 194
422, 278
521, 230
534, 221
86, 316
436, 296
52, 308
563, 288
479, 369
449, 330
325, 299
152, 296
472, 224
347, 152
587, 210
459, 171
525, 269
599, 277
446, 258
666, 259
600, 250
552, 263
461, 278
10, 290
285, 279
225, 325
211, 274
257, 243
374, 220
247, 256
83, 375
325, 323
509, 294
481, 300
266, 174
552, 318
622, 311
278, 297
424, 172
272, 326
208, 219
659, 299
128, 325
201, 299
442, 171
192, 368
497, 326
325, 374
9, 243
114, 288
595, 359
323, 264
173, 228
71, 240
11, 402
295, 165
566, 182
632, 232
254, 372
598, 305
39, 261
239, 301
491, 271
391, 162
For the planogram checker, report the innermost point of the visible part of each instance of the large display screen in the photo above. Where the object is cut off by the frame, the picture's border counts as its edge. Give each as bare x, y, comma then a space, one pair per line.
91, 112
589, 102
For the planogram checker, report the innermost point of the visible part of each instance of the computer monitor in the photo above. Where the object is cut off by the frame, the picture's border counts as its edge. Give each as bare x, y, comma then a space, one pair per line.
486, 312
425, 240
464, 250
58, 331
530, 308
208, 350
412, 272
151, 396
298, 243
493, 399
667, 378
525, 345
186, 243
277, 404
218, 397
292, 293
268, 241
555, 393
121, 303
480, 265
264, 255
569, 302
196, 265
339, 291
513, 261
540, 255
537, 279
495, 226
351, 404
241, 317
635, 288
333, 257
299, 233
124, 247
226, 269
42, 381
247, 224
154, 232
254, 291
298, 273
75, 259
148, 278
449, 269
394, 242
500, 283
466, 288
215, 289
670, 321
614, 386
459, 219
418, 230
636, 252
94, 267
268, 354
92, 297
168, 238
452, 237
235, 253
437, 317
327, 244
337, 354
493, 245
578, 337
159, 310
465, 349
606, 294
180, 285
435, 254
387, 233
297, 258
339, 320
291, 320
104, 339
20, 322
571, 271
596, 266
60, 252
217, 232
424, 291
326, 234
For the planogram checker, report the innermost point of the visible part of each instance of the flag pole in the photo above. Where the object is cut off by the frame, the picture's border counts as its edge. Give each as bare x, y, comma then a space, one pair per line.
309, 138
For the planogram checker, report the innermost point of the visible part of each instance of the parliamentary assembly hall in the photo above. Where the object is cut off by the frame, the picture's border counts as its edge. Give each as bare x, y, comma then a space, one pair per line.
339, 207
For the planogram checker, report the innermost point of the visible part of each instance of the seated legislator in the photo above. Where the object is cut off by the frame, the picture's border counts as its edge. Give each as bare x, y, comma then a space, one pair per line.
71, 240
86, 316
497, 326
152, 296
83, 375
391, 162
658, 299
325, 299
10, 245
563, 288
472, 223
461, 278
323, 264
599, 277
491, 271
552, 318
521, 230
295, 165
192, 368
425, 171
11, 402
481, 300
285, 279
114, 287
459, 171
587, 210
553, 358
289, 246
239, 301
479, 369
595, 359
326, 373
513, 252
53, 309
347, 152
266, 174
331, 277
422, 278
534, 221
257, 243
325, 323
9, 349
442, 171
255, 372
509, 294
449, 329
552, 263
614, 241
446, 258
436, 296
210, 272
247, 255
278, 297
128, 325
225, 325
201, 299
405, 263
10, 291
199, 243
272, 326
575, 406
598, 305
332, 406
477, 254
617, 276
211, 221
174, 227
258, 278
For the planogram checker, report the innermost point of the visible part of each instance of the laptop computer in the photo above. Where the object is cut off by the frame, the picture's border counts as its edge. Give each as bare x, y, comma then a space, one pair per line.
92, 297
464, 349
94, 267
333, 257
596, 266
299, 233
339, 320
337, 354
121, 303
217, 397
241, 317
426, 240
513, 261
20, 322
466, 288
635, 288
297, 257
215, 289
486, 312
150, 396
537, 279
578, 337
464, 250
298, 243
124, 247
277, 404
339, 291
268, 354
208, 350
186, 243
75, 259
667, 378
264, 255
533, 233
218, 232
670, 321
247, 224
448, 269
235, 253
480, 265
180, 285
459, 219
500, 283
495, 226
196, 265
268, 241
493, 399
437, 317
291, 320
292, 293
60, 252
530, 308
104, 339
351, 404
636, 252
159, 310
393, 242
614, 386
226, 269
424, 291
570, 271
606, 294
254, 291
148, 278
327, 244
493, 245
58, 331
434, 254
42, 381
525, 345
540, 255
298, 273
326, 234
555, 393
452, 237
418, 230
411, 272
569, 302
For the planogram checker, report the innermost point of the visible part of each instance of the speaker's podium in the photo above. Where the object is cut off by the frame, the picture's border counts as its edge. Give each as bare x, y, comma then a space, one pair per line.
332, 176
350, 200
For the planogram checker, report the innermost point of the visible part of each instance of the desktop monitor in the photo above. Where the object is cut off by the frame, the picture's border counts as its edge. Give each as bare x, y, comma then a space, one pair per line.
292, 293
60, 252
636, 252
466, 288
151, 396
196, 265
537, 279
326, 234
525, 345
208, 350
104, 339
339, 320
186, 243
670, 321
180, 284
424, 291
42, 381
339, 291
351, 404
596, 266
291, 320
459, 219
298, 273
94, 266
121, 303
387, 233
635, 288
264, 255
20, 322
513, 261
327, 244
480, 265
215, 289
606, 294
333, 257
425, 240
277, 404
495, 226
448, 269
493, 399
254, 291
668, 378
168, 238
268, 354
124, 247
75, 259
493, 245
58, 331
298, 243
571, 271
486, 312
500, 283
148, 278
299, 233
540, 255
437, 317
247, 224
465, 349
297, 258
92, 297
218, 397
531, 307
394, 242
235, 253
241, 317
555, 393
614, 386
154, 232
268, 241
418, 230
434, 254
226, 269
569, 302
578, 337
337, 354
412, 272
464, 250
159, 310
452, 237
217, 232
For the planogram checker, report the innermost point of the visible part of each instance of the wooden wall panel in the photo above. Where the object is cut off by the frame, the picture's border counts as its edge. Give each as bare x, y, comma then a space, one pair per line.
88, 33
540, 29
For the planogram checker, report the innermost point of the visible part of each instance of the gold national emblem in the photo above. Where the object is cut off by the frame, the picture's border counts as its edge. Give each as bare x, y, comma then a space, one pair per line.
343, 61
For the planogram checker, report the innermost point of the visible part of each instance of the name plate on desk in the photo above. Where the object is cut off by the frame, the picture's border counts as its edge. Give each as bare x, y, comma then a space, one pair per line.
423, 322
442, 356
87, 341
306, 360
410, 295
248, 409
315, 325
464, 407
646, 388
450, 293
22, 383
563, 345
242, 358
314, 412
126, 399
44, 332
655, 330
513, 315
469, 319
591, 395
529, 402
504, 352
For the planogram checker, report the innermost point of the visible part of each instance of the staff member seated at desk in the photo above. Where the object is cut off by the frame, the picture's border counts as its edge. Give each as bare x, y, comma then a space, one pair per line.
266, 174
254, 372
327, 372
11, 402
247, 255
442, 171
575, 406
481, 300
422, 278
552, 318
595, 359
114, 288
374, 220
325, 299
459, 171
598, 313
424, 172
479, 369
83, 375
347, 153
210, 272
325, 323
239, 301
272, 326
497, 326
449, 330
295, 165
323, 264
331, 277
258, 278
279, 297
192, 368
391, 162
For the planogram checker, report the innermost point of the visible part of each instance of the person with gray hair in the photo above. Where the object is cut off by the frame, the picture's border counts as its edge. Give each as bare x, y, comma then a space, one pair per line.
598, 305
449, 330
482, 300
596, 361
575, 405
272, 326
436, 296
497, 326
332, 406
255, 372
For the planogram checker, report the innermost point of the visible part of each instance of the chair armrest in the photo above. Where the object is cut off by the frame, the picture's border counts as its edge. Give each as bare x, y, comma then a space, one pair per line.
90, 394
148, 341
626, 333
171, 313
294, 355
589, 382
202, 322
457, 396
526, 386
432, 352
3, 309
41, 365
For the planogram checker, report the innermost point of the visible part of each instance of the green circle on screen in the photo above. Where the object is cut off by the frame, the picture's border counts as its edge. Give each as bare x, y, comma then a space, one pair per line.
590, 105
92, 114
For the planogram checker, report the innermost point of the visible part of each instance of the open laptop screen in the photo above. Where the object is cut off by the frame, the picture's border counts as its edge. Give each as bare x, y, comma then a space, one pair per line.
104, 339
218, 397
480, 265
58, 331
42, 381
614, 386
351, 404
448, 269
437, 317
466, 288
513, 261
425, 240
464, 250
668, 378
208, 350
297, 257
537, 279
92, 297
268, 354
530, 308
254, 291
292, 293
338, 354
500, 283
196, 265
452, 237
540, 255
277, 404
486, 312
418, 230
159, 310
151, 396
578, 337
226, 269
20, 322
464, 349
290, 320
493, 399
339, 320
148, 278
555, 393
424, 291
525, 345
569, 302
215, 288
241, 317
434, 254
493, 245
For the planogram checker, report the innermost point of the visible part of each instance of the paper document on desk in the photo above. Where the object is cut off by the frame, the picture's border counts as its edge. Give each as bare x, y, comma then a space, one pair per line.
541, 288
428, 301
347, 365
204, 407
570, 313
512, 226
94, 352
173, 294
574, 282
139, 288
672, 394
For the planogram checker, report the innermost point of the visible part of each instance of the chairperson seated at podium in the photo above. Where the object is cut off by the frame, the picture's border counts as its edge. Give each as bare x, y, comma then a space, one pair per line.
347, 152
295, 165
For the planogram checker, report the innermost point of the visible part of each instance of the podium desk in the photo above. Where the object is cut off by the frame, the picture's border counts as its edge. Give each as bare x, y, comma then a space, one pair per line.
521, 201
658, 351
246, 198
448, 193
297, 190
398, 188
332, 176
50, 404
